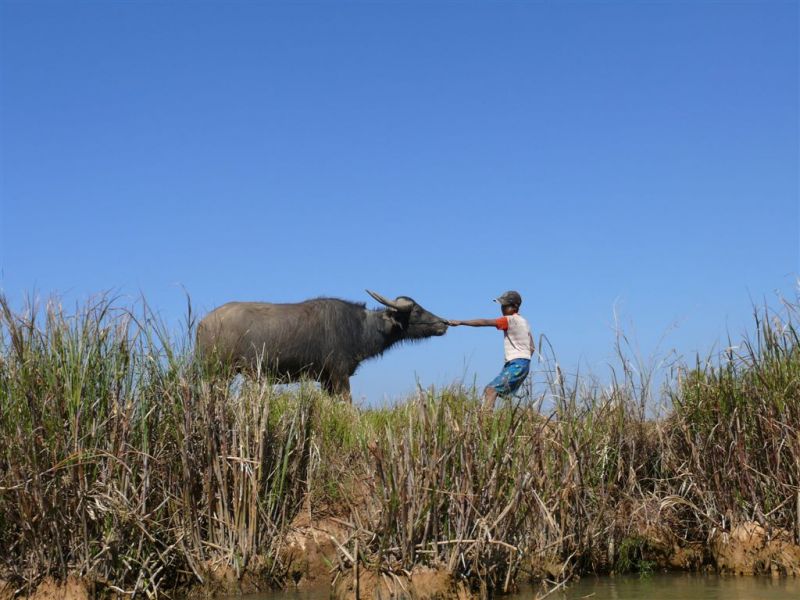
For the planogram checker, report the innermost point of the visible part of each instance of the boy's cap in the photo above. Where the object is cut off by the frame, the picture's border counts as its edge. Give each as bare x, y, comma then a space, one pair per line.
509, 298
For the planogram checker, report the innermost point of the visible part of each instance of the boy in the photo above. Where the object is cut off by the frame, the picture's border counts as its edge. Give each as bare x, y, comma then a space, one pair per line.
518, 345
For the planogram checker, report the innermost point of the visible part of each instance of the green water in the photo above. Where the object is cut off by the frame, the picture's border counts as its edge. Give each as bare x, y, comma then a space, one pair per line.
655, 587
676, 587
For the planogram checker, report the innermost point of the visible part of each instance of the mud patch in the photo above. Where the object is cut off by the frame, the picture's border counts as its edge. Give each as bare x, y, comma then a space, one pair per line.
690, 557
422, 584
73, 588
6, 590
310, 550
748, 549
224, 580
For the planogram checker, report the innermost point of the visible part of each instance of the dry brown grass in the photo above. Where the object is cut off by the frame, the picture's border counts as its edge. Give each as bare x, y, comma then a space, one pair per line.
124, 461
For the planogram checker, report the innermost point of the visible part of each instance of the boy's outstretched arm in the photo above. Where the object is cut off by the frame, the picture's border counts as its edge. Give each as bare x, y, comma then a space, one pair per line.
475, 323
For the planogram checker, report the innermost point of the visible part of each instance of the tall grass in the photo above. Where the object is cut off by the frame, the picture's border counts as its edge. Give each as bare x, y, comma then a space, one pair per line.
598, 483
487, 495
735, 439
124, 460
449, 491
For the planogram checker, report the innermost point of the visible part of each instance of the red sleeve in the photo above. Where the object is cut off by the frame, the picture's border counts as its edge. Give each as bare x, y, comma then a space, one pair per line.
502, 323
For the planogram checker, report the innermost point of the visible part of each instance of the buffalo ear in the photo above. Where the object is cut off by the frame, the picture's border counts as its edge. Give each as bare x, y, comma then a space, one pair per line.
391, 321
404, 304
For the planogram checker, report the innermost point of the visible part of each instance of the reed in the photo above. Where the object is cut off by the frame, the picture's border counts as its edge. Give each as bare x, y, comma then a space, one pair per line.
595, 484
448, 491
124, 460
735, 435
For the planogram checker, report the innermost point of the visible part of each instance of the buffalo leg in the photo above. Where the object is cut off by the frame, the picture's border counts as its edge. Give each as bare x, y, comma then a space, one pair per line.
337, 386
343, 389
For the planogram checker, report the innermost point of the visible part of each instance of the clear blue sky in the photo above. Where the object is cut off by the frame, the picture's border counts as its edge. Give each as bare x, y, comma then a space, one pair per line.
592, 155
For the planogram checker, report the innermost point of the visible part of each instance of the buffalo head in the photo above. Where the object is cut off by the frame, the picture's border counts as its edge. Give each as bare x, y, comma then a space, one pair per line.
410, 319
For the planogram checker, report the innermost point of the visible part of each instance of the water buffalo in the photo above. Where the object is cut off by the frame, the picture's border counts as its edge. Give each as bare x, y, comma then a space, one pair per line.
325, 338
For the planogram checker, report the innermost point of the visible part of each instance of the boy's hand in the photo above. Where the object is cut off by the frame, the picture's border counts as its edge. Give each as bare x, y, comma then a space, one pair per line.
454, 323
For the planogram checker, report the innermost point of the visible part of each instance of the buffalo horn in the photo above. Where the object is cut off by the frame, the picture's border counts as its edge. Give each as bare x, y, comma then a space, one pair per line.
401, 304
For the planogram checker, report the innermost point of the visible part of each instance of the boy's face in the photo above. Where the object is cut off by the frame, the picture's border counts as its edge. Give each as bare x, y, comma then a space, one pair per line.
508, 309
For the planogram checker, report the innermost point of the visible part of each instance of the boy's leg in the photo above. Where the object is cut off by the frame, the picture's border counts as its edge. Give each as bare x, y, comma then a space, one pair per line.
495, 387
513, 374
489, 397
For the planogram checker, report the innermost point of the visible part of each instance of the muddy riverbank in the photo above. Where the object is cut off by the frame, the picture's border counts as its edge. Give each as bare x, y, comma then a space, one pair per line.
313, 549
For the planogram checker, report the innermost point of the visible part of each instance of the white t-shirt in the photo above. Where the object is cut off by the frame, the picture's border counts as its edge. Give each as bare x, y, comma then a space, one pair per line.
517, 340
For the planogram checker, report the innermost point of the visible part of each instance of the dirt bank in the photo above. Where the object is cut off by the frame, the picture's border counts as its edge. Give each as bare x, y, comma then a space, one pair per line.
74, 588
307, 556
749, 549
421, 584
310, 555
310, 550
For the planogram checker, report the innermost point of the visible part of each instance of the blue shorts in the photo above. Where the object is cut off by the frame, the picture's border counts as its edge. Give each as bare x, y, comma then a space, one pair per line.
513, 374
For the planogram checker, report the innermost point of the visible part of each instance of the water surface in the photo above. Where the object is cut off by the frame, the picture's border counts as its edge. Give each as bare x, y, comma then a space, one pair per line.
679, 586
631, 587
